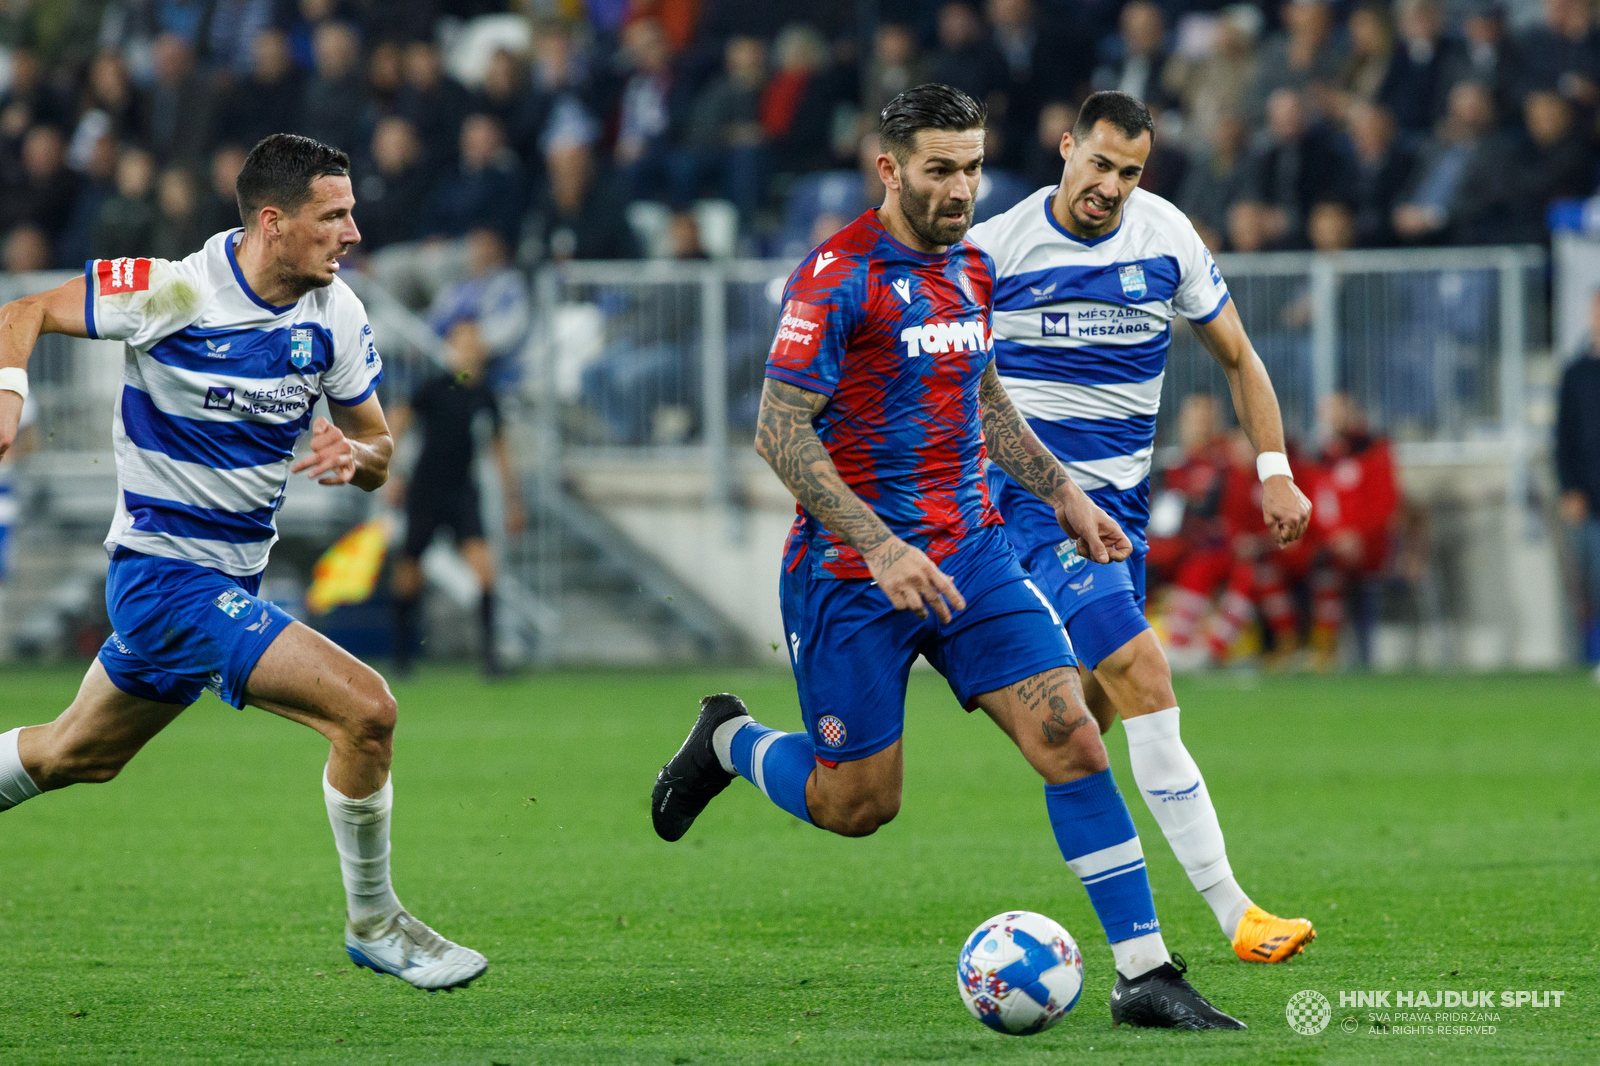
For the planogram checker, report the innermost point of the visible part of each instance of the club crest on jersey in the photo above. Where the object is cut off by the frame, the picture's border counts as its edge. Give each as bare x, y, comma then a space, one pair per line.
966, 285
299, 348
233, 603
1132, 278
831, 731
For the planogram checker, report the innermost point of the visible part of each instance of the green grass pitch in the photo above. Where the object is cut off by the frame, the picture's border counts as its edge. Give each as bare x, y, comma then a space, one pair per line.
1441, 832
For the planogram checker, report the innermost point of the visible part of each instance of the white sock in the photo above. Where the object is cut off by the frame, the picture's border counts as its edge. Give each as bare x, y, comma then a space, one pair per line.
1176, 794
361, 833
722, 740
15, 783
1139, 954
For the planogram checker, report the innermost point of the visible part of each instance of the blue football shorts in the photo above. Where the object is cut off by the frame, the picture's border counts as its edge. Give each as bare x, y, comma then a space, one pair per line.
1102, 604
181, 628
852, 651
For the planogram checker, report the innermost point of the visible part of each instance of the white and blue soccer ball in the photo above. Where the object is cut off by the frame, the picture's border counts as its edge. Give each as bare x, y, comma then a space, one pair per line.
1020, 973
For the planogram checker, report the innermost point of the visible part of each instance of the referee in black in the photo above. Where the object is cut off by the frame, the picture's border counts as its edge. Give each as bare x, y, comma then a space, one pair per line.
454, 410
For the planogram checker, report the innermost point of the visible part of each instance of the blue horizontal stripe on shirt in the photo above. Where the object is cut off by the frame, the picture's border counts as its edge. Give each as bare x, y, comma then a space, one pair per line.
251, 353
1100, 283
1092, 364
1083, 439
154, 515
219, 445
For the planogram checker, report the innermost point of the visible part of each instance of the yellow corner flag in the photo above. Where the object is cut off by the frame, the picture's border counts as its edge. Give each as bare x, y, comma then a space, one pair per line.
348, 571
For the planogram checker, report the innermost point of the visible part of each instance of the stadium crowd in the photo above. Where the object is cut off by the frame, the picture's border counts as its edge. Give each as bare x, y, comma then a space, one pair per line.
1307, 124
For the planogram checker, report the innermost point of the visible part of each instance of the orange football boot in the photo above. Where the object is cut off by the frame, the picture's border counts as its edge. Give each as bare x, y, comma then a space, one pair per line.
1263, 937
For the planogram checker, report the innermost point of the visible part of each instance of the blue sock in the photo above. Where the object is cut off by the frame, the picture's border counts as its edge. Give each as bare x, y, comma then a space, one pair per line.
1097, 838
777, 763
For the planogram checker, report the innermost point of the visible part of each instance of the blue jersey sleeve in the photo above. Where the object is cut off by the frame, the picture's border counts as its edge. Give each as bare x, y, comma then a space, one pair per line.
822, 304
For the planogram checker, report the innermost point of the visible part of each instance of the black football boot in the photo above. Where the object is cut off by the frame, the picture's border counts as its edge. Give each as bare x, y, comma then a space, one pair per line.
693, 777
1162, 999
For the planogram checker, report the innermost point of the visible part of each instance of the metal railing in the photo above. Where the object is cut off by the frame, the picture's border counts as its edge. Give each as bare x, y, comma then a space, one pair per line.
659, 357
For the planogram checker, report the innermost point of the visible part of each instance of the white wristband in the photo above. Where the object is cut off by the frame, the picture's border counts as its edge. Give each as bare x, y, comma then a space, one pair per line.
1271, 464
14, 379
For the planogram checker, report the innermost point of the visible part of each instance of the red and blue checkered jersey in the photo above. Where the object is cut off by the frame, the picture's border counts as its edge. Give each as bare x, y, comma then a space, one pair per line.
897, 340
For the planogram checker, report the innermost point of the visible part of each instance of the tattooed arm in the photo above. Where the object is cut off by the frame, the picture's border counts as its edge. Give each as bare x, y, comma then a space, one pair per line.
1017, 450
786, 439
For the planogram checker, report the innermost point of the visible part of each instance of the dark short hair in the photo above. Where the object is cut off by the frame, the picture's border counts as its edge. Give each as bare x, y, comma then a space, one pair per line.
927, 107
279, 171
1125, 112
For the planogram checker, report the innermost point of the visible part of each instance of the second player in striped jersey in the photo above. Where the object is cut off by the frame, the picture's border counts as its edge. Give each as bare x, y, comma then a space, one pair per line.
1090, 275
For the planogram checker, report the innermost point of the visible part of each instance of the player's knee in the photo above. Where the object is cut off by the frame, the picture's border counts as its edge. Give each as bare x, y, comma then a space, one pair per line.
866, 816
371, 721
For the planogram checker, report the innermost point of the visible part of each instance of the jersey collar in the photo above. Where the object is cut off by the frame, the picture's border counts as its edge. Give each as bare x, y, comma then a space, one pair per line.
1087, 242
245, 285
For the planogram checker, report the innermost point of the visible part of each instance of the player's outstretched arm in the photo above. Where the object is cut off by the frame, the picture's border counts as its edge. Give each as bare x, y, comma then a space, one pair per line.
59, 310
786, 439
1018, 451
1284, 507
353, 449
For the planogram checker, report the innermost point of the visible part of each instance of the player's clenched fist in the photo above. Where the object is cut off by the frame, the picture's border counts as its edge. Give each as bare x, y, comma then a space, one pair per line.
912, 582
1285, 509
333, 458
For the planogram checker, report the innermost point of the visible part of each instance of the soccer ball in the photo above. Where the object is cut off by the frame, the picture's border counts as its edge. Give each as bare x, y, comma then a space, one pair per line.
1019, 973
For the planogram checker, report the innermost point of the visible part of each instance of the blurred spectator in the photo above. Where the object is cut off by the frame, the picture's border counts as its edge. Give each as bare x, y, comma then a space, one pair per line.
268, 101
493, 294
556, 107
27, 249
330, 111
1304, 56
386, 77
1562, 53
1492, 57
797, 104
177, 108
179, 228
504, 93
1434, 198
821, 205
233, 30
1211, 87
45, 190
1043, 161
30, 99
1332, 227
1513, 178
126, 224
219, 204
683, 236
108, 91
1381, 168
1371, 33
1577, 460
99, 185
1215, 180
726, 139
301, 24
1354, 500
1426, 64
966, 58
1297, 164
1165, 167
650, 109
1029, 67
392, 184
487, 189
894, 67
1138, 55
435, 103
578, 216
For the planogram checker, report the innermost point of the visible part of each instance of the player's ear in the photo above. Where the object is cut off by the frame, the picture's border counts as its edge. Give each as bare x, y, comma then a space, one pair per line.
1066, 144
888, 170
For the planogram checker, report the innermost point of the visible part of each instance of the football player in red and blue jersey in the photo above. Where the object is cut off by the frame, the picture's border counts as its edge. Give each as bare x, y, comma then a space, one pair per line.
880, 406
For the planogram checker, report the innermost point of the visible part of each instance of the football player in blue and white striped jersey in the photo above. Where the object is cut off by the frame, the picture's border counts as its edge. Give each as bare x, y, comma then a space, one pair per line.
227, 351
1090, 276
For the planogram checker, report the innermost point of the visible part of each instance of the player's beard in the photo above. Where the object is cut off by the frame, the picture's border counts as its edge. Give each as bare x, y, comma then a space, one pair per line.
300, 284
928, 224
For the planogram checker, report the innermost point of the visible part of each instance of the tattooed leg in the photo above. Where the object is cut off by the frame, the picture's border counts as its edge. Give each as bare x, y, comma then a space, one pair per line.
1045, 716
